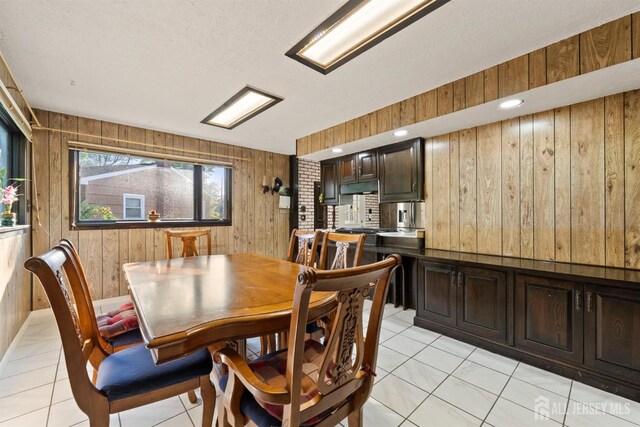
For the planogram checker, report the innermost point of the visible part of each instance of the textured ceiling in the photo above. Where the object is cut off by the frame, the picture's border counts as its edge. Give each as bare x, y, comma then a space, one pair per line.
166, 64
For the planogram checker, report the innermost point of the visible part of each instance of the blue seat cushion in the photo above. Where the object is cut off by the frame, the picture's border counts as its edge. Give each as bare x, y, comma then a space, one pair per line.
313, 327
125, 340
251, 409
132, 371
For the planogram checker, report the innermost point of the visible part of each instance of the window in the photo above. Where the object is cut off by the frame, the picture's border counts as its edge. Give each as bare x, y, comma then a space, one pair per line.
118, 190
13, 161
133, 206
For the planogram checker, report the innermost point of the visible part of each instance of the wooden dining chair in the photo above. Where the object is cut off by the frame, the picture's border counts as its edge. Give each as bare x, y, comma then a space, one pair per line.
189, 237
310, 383
343, 242
126, 379
306, 241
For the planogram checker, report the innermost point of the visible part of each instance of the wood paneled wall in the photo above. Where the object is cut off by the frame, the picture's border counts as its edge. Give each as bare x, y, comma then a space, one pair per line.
559, 185
609, 44
258, 225
15, 292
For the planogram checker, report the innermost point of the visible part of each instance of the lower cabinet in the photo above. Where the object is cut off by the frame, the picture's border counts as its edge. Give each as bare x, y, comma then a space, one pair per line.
549, 317
474, 300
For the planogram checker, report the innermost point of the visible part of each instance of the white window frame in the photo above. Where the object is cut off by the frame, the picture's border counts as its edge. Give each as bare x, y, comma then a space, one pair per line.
126, 196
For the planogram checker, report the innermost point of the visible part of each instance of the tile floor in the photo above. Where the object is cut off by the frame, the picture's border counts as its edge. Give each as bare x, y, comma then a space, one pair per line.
424, 379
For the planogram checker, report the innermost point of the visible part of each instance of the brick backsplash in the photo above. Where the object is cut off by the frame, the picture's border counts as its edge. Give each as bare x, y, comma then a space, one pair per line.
308, 172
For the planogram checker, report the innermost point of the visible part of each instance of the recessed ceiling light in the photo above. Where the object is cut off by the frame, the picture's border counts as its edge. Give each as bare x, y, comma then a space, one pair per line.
356, 27
336, 150
511, 103
241, 107
401, 132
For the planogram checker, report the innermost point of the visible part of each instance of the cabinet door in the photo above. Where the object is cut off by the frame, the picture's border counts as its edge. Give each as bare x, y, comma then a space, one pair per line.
401, 171
436, 293
347, 169
612, 331
549, 317
482, 302
367, 164
329, 178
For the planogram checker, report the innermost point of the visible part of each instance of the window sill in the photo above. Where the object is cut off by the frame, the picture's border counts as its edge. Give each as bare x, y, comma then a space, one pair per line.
12, 231
126, 225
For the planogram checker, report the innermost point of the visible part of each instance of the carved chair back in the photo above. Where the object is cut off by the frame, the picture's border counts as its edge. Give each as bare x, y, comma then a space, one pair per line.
189, 238
343, 243
307, 245
349, 359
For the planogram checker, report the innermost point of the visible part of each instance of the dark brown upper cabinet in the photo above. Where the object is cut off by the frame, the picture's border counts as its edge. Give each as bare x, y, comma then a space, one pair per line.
329, 181
402, 171
360, 167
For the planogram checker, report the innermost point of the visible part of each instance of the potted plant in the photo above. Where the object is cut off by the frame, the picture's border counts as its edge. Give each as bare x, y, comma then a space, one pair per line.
9, 195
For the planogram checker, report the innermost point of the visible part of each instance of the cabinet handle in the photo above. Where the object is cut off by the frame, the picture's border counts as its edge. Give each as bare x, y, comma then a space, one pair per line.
359, 170
413, 186
578, 300
589, 308
460, 278
453, 278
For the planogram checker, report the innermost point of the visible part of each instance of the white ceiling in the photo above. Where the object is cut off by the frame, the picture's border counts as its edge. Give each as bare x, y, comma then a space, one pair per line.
166, 64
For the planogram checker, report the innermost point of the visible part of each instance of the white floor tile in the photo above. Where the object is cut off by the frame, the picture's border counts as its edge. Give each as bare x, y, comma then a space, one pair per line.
398, 395
385, 334
27, 364
406, 315
114, 421
543, 379
493, 361
616, 405
61, 391
152, 414
395, 325
420, 375
507, 414
28, 380
423, 335
21, 351
65, 414
380, 374
407, 424
465, 396
378, 415
439, 359
404, 345
389, 359
185, 400
481, 376
35, 418
578, 416
437, 412
25, 402
181, 420
452, 346
525, 394
390, 310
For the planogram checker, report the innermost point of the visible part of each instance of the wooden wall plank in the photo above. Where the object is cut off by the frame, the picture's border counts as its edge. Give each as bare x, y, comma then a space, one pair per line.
474, 89
395, 115
491, 84
526, 186
563, 59
543, 184
606, 45
68, 123
513, 76
587, 179
562, 143
429, 201
384, 119
339, 134
441, 191
614, 179
55, 181
373, 124
635, 32
468, 190
459, 95
632, 178
454, 189
489, 184
427, 106
259, 165
445, 99
349, 130
365, 125
408, 111
249, 183
110, 239
537, 68
511, 187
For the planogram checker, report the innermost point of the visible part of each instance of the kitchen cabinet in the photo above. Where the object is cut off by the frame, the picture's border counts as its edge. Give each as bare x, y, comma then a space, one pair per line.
471, 299
329, 181
401, 168
612, 331
360, 167
549, 317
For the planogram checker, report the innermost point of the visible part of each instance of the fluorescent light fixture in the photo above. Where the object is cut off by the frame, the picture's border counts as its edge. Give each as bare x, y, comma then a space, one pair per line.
336, 150
511, 103
401, 132
241, 107
356, 27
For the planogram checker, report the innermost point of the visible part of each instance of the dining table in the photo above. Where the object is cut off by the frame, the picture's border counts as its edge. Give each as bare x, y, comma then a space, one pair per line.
185, 304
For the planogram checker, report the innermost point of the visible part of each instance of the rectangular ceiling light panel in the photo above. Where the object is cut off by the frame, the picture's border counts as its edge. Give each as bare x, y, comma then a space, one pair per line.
241, 107
356, 27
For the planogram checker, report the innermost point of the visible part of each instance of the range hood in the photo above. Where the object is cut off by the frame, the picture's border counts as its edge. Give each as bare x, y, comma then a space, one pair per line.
359, 188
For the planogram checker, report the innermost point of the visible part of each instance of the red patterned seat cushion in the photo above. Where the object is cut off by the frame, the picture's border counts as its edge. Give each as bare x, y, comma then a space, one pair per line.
118, 321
